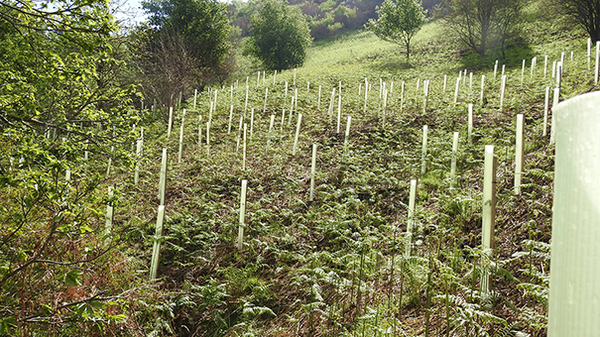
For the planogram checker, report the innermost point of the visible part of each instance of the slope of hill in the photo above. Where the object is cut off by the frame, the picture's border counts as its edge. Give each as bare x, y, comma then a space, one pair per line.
336, 265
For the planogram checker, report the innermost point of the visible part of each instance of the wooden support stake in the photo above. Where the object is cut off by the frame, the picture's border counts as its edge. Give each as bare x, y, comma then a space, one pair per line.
347, 135
142, 138
251, 122
297, 134
445, 83
230, 120
555, 101
589, 53
108, 167
319, 99
208, 137
575, 262
86, 154
489, 212
312, 172
244, 145
520, 139
239, 134
296, 100
270, 134
162, 177
246, 102
559, 71
291, 111
199, 131
170, 125
339, 114
366, 94
454, 158
471, 82
196, 96
157, 240
424, 151
469, 122
180, 153
402, 97
426, 96
214, 108
266, 95
495, 69
384, 109
330, 109
482, 90
546, 109
545, 65
109, 212
523, 72
242, 224
410, 219
138, 158
456, 90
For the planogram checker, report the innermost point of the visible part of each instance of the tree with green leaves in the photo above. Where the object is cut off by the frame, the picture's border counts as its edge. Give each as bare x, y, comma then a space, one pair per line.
483, 24
279, 36
59, 97
185, 45
584, 13
398, 22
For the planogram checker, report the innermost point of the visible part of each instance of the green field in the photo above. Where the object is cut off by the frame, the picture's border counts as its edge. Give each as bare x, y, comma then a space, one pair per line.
336, 265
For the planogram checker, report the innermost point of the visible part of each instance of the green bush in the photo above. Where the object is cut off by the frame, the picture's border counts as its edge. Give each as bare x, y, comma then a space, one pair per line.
279, 36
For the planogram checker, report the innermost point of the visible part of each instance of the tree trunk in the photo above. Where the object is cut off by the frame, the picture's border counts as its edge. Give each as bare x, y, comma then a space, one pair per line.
484, 36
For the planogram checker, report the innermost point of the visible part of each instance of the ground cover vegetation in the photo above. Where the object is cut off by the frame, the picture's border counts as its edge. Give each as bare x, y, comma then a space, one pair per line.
334, 266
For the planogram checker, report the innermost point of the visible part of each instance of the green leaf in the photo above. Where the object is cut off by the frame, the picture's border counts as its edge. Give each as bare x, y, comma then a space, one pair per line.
73, 278
117, 318
96, 304
6, 324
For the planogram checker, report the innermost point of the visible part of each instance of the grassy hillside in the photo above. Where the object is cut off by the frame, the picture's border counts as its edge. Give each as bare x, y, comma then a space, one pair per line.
336, 266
